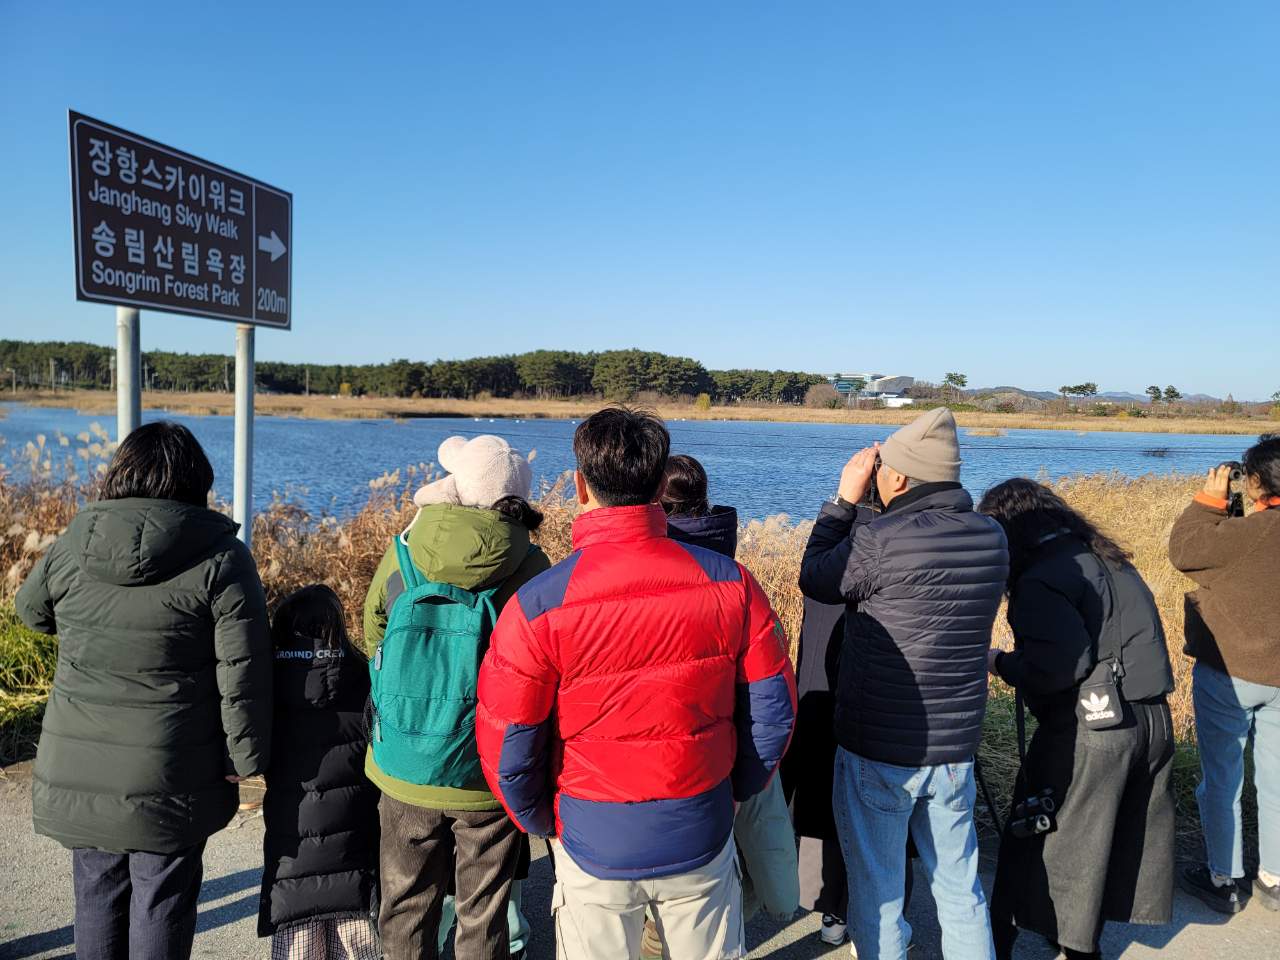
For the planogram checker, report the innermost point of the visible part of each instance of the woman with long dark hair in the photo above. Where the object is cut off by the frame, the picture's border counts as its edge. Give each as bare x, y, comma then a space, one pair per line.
1081, 614
161, 700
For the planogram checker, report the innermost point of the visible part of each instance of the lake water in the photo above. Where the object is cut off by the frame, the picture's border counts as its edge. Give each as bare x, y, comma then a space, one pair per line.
761, 468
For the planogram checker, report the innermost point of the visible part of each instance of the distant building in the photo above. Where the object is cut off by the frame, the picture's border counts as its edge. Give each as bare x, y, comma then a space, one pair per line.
876, 387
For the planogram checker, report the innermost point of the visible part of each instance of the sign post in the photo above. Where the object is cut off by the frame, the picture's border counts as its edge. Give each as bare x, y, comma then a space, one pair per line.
242, 505
128, 362
159, 228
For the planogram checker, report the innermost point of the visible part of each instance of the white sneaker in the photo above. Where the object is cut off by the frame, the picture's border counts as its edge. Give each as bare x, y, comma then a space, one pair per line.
833, 930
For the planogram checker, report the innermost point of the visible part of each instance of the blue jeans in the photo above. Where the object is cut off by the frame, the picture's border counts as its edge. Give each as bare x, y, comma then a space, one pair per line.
516, 922
1229, 712
876, 805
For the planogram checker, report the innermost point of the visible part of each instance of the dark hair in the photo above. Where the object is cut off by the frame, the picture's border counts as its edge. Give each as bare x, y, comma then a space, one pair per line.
312, 613
622, 453
1030, 513
521, 511
159, 461
1262, 461
684, 490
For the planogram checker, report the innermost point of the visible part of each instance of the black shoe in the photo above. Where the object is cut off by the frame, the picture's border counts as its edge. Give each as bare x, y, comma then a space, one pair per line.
1268, 896
1198, 882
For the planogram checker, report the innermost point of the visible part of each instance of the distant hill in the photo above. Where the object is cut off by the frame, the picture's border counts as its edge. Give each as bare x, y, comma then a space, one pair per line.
1034, 394
1114, 396
1119, 396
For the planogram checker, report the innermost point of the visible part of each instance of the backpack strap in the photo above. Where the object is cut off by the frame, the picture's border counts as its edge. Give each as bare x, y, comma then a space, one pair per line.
408, 572
1111, 642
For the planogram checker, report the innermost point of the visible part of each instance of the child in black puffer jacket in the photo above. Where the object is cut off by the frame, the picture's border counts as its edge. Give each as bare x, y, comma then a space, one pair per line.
320, 872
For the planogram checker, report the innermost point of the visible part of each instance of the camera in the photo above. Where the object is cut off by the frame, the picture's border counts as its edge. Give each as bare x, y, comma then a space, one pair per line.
1035, 815
1235, 492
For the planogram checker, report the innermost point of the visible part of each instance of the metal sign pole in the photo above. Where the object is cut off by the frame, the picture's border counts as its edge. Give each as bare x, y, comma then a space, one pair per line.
128, 369
242, 506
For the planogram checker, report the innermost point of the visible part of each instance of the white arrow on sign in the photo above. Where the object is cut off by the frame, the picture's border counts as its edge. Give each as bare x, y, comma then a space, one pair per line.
272, 245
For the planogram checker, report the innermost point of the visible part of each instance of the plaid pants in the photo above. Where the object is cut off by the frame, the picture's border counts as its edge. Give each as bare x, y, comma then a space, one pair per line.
351, 938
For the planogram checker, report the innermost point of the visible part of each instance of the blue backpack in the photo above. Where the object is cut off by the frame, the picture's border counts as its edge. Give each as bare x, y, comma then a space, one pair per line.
424, 676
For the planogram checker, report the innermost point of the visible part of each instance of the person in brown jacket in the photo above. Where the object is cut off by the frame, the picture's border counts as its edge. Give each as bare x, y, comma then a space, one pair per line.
1233, 632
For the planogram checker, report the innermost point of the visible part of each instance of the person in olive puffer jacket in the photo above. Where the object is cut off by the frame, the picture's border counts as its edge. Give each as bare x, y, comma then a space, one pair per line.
161, 699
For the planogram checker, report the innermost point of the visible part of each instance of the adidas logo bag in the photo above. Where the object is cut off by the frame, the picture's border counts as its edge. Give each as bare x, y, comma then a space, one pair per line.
1100, 704
423, 677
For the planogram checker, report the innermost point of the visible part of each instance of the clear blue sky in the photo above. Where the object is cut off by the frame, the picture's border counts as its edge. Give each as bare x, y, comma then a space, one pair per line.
1030, 193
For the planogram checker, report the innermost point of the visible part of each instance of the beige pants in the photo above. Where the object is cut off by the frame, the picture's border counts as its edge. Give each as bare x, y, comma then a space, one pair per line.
698, 914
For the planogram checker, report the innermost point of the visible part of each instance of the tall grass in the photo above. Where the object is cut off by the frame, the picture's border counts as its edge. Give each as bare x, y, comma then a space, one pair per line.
294, 547
27, 660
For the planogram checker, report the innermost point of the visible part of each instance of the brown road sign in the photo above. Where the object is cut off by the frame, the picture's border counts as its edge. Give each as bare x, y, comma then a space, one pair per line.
161, 229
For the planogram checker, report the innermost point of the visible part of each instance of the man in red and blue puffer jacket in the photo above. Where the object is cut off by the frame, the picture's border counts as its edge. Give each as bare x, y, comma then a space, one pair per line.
631, 694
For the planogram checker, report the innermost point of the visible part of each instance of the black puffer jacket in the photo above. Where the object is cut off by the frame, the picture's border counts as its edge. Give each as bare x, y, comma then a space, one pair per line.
163, 684
320, 852
808, 768
923, 583
717, 530
1060, 608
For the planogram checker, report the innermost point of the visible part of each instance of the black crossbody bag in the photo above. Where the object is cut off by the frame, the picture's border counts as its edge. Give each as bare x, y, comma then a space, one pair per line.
1100, 700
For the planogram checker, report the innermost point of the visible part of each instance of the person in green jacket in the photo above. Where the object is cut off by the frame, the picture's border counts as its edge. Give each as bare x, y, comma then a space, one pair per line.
468, 548
161, 699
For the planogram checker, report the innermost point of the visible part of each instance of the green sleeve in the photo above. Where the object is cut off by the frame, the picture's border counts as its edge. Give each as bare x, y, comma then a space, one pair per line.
375, 602
242, 645
34, 601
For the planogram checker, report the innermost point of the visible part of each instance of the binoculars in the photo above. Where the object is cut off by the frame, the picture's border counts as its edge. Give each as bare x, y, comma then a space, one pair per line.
1235, 493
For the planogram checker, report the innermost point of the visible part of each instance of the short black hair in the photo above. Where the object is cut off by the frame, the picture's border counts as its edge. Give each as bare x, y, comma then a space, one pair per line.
684, 492
159, 461
622, 452
1262, 461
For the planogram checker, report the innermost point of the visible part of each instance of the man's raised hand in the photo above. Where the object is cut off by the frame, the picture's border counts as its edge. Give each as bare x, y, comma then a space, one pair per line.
855, 478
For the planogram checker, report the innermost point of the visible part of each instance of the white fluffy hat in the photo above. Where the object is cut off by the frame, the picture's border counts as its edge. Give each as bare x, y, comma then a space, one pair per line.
481, 471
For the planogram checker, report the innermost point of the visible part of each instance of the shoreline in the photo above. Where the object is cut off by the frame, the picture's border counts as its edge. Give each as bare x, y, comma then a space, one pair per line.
102, 402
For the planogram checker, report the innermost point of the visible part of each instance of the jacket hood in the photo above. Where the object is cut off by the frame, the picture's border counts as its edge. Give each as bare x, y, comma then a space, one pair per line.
136, 542
717, 530
465, 546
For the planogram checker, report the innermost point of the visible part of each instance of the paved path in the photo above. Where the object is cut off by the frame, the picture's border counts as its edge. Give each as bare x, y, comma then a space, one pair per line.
36, 906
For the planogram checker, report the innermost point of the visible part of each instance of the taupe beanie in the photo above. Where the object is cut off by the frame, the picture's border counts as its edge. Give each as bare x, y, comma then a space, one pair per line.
925, 449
